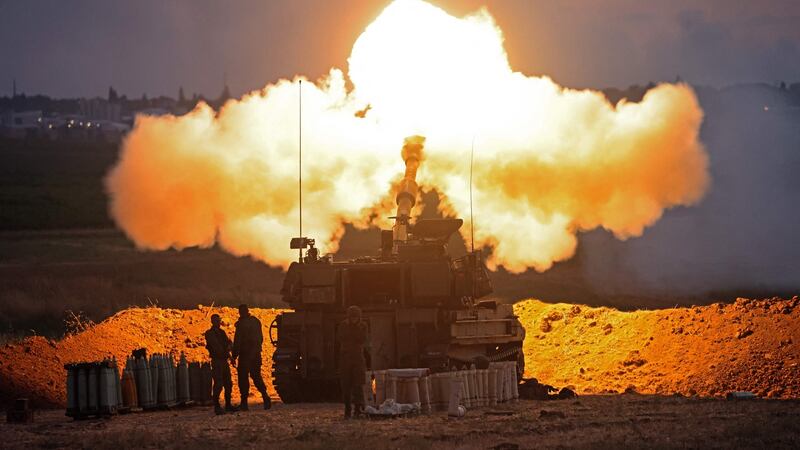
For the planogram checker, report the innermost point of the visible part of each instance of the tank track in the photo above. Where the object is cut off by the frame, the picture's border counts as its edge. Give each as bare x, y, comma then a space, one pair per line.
293, 389
504, 355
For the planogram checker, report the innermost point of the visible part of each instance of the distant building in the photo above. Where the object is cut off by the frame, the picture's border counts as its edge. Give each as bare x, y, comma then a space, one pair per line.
20, 125
77, 126
100, 109
21, 119
153, 112
90, 119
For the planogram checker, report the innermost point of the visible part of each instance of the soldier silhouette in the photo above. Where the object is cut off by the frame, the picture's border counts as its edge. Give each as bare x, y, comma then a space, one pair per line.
247, 348
352, 335
219, 349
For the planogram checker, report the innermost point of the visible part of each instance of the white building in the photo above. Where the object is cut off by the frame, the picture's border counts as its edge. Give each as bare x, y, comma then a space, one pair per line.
20, 124
100, 109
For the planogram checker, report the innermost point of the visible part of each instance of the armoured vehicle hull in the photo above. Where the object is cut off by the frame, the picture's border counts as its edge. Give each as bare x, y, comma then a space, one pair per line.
421, 306
405, 330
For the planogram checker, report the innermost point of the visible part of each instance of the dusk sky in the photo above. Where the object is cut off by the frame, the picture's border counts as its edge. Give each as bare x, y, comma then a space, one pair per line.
79, 48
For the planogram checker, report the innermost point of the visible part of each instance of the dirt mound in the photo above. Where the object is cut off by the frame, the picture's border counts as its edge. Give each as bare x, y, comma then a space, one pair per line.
34, 368
748, 345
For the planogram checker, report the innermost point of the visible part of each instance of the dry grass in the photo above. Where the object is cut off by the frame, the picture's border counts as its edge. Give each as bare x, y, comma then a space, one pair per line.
624, 421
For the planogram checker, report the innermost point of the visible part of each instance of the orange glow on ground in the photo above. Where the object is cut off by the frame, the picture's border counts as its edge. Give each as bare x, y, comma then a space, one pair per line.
749, 345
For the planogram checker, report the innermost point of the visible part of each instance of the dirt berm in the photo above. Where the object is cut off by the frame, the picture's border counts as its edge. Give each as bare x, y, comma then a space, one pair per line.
749, 345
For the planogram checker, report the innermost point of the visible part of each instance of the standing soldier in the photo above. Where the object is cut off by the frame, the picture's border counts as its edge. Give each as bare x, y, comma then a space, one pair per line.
219, 349
352, 366
247, 347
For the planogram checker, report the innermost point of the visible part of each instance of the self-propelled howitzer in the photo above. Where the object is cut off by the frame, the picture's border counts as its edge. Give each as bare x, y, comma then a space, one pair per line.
422, 307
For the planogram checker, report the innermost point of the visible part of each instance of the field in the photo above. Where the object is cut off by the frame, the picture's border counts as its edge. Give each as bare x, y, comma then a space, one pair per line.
46, 277
53, 185
605, 421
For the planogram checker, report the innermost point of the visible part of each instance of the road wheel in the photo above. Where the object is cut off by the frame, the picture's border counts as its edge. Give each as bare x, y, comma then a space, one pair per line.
289, 388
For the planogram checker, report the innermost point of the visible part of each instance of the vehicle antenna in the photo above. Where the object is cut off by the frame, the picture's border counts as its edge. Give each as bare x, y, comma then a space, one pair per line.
300, 162
471, 220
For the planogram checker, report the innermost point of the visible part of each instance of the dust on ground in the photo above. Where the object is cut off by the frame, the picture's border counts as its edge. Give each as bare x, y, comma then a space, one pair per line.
749, 345
613, 421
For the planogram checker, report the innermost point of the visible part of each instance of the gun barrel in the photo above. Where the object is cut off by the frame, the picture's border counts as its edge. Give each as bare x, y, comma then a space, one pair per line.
408, 189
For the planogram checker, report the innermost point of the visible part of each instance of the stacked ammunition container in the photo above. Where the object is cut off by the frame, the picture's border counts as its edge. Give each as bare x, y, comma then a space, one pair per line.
410, 386
144, 385
433, 392
159, 382
98, 389
166, 393
93, 389
182, 381
200, 383
129, 390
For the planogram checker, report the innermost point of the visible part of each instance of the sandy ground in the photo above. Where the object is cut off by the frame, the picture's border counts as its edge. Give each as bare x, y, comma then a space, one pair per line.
749, 345
605, 421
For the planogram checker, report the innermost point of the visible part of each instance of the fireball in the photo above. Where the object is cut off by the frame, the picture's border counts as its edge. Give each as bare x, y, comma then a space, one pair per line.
549, 161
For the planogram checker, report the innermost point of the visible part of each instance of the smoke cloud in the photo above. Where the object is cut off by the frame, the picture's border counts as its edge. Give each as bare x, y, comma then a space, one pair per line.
549, 162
